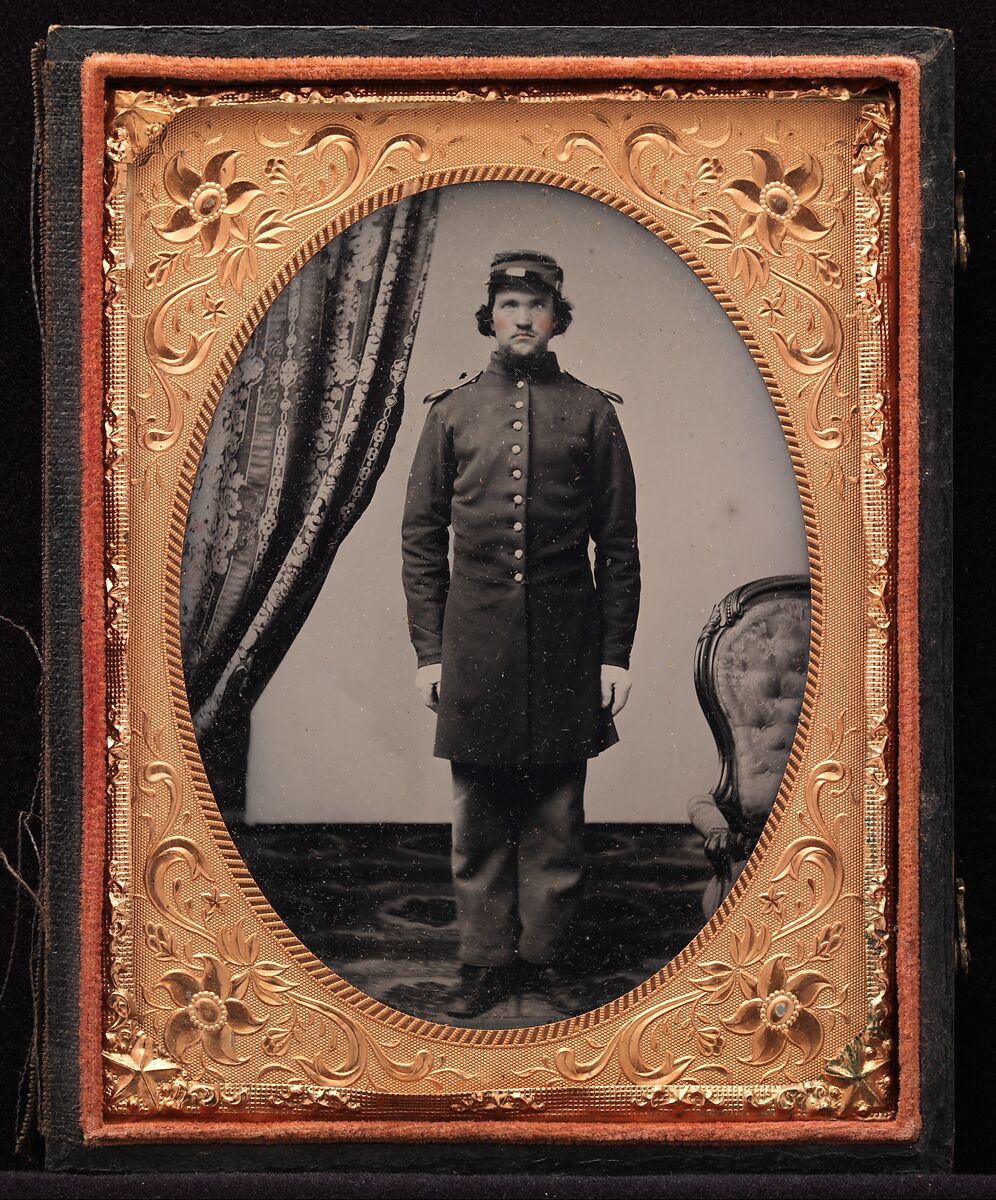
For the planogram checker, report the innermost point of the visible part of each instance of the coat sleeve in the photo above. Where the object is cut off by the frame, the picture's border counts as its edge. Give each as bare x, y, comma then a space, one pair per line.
613, 530
425, 538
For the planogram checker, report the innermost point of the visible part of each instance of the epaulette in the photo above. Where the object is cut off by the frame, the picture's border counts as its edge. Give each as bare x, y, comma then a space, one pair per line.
462, 382
613, 396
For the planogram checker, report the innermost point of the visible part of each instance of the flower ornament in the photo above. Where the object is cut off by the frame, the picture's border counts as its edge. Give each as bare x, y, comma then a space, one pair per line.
724, 979
207, 1013
210, 204
779, 1013
776, 202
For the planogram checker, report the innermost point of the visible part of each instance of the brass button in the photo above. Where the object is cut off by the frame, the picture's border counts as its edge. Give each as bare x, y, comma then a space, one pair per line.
521, 383
516, 424
516, 449
518, 554
516, 499
518, 577
517, 526
519, 403
516, 474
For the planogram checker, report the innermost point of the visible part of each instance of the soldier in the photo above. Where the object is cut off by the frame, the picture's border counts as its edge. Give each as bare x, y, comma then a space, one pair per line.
523, 656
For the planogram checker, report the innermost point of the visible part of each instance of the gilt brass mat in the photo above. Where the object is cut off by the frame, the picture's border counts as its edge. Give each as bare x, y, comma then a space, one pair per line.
782, 1008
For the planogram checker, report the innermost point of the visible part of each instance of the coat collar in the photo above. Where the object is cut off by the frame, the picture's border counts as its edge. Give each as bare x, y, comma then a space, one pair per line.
537, 370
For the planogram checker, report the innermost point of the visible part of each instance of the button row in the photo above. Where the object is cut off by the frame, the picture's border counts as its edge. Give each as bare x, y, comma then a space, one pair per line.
517, 425
517, 474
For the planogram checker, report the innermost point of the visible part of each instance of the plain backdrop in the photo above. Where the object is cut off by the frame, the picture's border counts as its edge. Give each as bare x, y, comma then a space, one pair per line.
339, 733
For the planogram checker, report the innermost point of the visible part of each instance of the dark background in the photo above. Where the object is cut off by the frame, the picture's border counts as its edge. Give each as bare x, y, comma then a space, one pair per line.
20, 503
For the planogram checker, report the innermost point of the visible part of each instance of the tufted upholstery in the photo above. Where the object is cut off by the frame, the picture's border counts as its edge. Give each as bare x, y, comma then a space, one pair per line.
760, 673
750, 674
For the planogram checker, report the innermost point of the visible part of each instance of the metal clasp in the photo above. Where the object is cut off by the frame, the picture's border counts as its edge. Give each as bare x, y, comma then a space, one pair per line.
962, 956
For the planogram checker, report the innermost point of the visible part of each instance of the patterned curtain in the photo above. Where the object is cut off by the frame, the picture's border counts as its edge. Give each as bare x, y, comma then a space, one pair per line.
301, 434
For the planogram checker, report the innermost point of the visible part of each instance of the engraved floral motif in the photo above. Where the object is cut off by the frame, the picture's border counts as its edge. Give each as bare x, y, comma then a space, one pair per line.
210, 203
683, 1098
265, 979
804, 1099
722, 979
779, 1012
776, 201
300, 1095
181, 1094
241, 261
499, 1100
208, 1013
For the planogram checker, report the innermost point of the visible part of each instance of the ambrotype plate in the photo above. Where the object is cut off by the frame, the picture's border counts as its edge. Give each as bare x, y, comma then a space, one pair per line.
688, 327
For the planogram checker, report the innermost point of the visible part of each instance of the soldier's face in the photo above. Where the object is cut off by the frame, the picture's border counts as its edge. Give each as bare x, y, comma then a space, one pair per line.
523, 322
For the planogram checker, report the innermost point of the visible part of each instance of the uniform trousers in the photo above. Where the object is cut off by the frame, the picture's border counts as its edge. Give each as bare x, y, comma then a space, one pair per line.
518, 860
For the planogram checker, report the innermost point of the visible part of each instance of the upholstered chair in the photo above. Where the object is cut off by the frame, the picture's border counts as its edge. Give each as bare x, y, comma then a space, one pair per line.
750, 675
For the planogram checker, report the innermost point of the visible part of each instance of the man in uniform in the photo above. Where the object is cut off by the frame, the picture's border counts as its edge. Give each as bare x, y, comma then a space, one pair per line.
523, 655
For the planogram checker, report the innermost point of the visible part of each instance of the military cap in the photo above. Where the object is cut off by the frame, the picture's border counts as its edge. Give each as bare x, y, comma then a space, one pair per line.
525, 268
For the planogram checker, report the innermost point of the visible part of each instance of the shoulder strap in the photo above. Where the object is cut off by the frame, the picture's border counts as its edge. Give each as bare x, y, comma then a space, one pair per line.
462, 382
613, 396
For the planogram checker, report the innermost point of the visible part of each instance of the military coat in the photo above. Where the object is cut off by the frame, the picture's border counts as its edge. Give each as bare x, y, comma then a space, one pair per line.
530, 470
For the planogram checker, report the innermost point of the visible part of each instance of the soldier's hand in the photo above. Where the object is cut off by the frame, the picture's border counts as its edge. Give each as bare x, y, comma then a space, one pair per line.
616, 685
718, 850
427, 684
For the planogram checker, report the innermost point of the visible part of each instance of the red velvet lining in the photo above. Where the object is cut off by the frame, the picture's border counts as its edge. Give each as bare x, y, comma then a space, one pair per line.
96, 70
93, 867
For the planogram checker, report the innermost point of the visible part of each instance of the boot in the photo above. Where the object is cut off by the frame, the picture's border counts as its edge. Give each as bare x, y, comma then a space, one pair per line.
559, 987
479, 989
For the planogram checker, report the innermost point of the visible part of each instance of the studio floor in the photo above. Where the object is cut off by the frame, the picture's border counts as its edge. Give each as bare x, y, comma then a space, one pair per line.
375, 903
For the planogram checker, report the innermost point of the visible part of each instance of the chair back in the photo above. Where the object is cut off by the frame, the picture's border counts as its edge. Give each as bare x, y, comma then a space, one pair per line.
750, 676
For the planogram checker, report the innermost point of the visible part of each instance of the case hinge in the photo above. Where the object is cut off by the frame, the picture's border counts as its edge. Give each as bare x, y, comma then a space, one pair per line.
961, 247
962, 956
